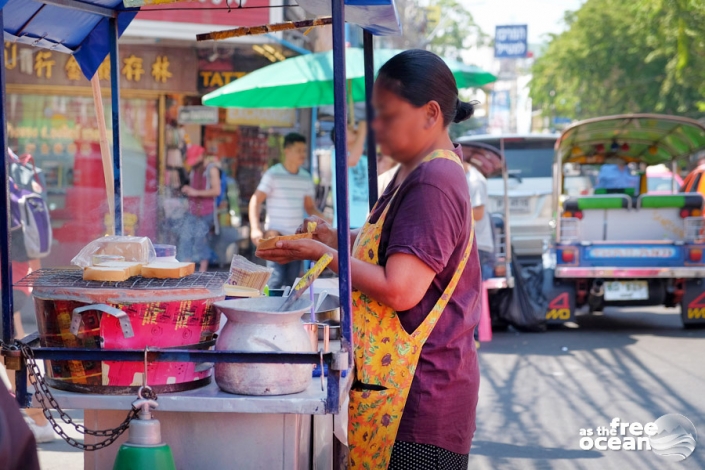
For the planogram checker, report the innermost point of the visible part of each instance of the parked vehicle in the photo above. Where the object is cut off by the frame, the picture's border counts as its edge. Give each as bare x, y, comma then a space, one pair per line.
623, 245
488, 160
530, 165
694, 182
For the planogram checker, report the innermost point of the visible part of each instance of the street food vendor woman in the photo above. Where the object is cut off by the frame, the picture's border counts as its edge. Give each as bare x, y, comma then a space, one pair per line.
416, 279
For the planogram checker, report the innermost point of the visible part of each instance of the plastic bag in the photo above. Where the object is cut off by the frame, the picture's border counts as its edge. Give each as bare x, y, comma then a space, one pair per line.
247, 274
132, 249
523, 307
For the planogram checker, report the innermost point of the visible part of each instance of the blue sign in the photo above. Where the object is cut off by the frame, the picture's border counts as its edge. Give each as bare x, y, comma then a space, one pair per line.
510, 42
561, 121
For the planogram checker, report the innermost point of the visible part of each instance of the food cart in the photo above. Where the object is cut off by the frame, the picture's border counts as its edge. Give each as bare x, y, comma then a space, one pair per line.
206, 427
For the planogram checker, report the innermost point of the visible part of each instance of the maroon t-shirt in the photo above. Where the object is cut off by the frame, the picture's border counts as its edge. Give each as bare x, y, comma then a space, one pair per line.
430, 218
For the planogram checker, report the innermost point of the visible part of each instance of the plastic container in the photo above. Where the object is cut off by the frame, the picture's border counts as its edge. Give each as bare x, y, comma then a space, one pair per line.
132, 249
165, 253
99, 259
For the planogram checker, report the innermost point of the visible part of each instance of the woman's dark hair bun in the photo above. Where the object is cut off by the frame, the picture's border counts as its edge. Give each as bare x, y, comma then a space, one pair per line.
464, 110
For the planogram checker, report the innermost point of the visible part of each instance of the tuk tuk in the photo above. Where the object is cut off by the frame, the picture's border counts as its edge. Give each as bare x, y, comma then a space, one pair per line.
615, 243
490, 162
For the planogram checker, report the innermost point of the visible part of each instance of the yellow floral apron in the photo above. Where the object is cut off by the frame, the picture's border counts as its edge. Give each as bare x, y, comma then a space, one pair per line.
386, 355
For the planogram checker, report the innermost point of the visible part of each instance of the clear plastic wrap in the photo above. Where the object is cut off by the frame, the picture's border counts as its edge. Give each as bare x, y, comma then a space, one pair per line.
132, 249
247, 274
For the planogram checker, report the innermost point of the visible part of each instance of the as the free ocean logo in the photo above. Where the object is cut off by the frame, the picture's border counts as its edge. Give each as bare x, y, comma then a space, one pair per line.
675, 438
672, 436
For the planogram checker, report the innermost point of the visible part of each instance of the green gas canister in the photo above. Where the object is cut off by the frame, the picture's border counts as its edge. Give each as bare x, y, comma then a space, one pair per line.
144, 449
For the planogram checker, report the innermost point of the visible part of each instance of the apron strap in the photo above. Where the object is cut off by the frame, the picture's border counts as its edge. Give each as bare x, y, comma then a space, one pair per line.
426, 328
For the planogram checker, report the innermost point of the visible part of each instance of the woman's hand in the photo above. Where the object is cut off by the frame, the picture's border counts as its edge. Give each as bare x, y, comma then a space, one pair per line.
294, 250
324, 233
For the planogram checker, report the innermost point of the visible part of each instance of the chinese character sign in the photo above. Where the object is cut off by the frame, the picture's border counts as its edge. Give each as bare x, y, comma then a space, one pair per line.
133, 69
510, 42
141, 68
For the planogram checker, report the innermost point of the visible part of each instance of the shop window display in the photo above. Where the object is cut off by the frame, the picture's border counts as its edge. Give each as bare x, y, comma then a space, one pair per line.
61, 133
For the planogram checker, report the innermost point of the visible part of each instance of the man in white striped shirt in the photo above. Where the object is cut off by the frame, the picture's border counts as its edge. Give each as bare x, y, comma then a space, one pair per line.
289, 192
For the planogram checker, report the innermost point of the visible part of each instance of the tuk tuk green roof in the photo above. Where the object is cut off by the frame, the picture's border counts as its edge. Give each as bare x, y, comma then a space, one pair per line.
647, 138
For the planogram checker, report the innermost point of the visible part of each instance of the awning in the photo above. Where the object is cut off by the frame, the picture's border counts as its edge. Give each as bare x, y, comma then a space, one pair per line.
648, 138
484, 157
81, 33
379, 17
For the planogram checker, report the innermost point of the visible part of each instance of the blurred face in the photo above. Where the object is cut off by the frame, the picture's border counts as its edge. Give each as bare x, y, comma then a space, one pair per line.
296, 154
402, 130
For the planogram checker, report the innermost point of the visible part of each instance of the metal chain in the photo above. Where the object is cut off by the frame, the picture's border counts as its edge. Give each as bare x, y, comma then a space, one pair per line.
43, 394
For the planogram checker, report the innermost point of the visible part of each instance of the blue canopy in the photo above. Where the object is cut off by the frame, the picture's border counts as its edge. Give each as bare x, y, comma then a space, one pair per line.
80, 27
81, 33
379, 17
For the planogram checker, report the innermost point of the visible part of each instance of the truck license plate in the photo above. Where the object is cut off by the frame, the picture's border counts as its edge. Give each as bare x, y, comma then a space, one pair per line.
516, 205
626, 290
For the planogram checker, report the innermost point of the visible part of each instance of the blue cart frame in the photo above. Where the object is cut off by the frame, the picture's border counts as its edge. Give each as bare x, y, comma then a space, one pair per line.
336, 366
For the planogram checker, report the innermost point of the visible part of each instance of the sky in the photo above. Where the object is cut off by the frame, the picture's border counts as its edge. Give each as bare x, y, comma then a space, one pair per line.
541, 16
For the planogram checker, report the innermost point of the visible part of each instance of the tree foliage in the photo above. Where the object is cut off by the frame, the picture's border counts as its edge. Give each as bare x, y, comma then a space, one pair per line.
621, 56
455, 32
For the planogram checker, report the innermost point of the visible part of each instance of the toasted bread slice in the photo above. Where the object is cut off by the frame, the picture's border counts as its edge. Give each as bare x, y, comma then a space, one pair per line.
133, 269
271, 243
106, 273
164, 270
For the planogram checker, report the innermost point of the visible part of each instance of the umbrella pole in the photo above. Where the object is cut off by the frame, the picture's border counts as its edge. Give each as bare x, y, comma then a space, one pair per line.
104, 148
368, 43
351, 104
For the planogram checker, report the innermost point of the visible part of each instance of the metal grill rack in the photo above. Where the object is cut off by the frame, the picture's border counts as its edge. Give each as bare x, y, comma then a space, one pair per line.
74, 278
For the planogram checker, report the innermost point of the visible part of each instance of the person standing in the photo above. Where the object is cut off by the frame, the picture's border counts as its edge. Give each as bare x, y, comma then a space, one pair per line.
483, 225
289, 192
202, 190
416, 280
358, 185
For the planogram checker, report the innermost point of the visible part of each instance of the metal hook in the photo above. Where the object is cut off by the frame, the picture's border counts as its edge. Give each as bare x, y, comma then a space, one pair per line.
144, 376
146, 393
320, 355
227, 2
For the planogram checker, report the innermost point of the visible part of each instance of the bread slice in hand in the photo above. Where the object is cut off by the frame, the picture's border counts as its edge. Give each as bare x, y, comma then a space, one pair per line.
271, 243
168, 270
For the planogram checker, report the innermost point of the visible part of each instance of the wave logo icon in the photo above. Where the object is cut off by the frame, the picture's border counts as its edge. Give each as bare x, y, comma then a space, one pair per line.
676, 437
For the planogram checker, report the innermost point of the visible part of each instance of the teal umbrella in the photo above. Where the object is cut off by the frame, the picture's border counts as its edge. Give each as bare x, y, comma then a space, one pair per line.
306, 81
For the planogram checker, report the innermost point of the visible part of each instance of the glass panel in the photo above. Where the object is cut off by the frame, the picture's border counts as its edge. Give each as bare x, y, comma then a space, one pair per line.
61, 133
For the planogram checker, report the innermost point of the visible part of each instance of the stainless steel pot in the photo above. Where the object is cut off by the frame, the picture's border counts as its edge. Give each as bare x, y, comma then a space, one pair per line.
256, 325
328, 311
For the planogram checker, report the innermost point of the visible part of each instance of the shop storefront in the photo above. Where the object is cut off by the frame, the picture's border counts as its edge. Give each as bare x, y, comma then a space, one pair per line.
51, 115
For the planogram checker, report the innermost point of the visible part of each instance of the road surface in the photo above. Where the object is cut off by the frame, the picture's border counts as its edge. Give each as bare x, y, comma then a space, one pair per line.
539, 390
